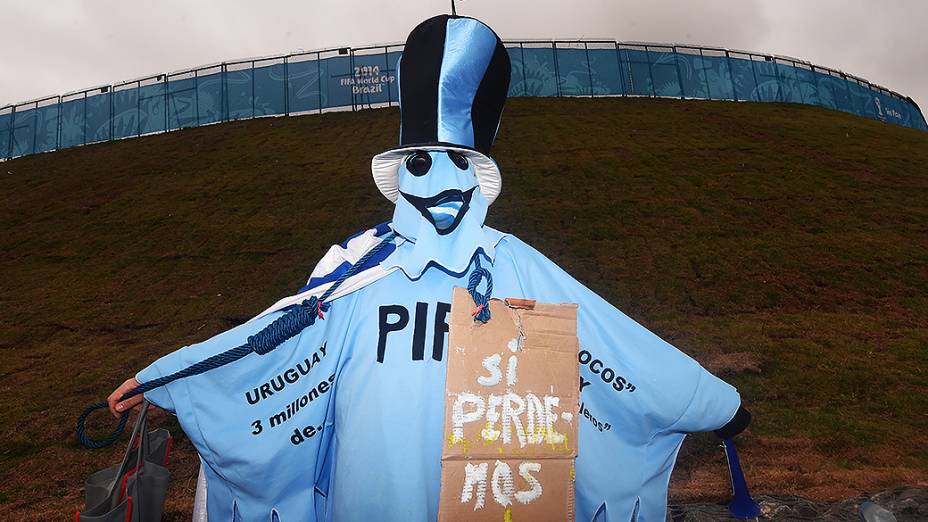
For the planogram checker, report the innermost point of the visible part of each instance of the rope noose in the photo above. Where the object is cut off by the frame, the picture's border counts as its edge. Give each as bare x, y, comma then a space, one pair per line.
482, 313
261, 343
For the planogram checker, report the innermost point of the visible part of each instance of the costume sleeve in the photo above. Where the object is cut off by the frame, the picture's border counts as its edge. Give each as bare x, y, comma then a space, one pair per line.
639, 395
263, 424
251, 417
628, 374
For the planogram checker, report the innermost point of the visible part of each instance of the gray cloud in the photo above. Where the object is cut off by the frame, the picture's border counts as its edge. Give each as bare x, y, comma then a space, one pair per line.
56, 46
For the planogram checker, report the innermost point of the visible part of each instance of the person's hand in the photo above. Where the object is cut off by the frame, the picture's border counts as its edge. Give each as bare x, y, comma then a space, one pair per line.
117, 408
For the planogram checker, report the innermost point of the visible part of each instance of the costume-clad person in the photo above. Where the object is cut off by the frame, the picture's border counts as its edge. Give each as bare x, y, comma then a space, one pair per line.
344, 422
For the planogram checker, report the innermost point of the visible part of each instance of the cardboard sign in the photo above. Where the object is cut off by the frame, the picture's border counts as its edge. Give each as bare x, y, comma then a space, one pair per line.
511, 412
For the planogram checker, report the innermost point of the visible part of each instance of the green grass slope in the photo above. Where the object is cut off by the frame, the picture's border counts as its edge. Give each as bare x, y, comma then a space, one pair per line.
784, 246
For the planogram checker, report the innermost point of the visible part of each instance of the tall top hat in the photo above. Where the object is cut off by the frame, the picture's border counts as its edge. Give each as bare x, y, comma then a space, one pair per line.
454, 78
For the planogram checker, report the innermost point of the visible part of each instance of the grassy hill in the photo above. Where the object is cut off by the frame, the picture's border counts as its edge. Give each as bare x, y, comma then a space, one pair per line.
784, 246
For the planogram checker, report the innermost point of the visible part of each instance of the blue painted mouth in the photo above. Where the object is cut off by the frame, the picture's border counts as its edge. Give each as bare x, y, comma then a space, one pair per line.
444, 210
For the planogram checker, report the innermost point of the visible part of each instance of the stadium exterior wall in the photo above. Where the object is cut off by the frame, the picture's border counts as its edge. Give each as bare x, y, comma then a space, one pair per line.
357, 78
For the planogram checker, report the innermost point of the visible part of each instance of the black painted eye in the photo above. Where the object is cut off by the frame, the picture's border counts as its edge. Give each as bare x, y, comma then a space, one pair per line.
419, 163
459, 160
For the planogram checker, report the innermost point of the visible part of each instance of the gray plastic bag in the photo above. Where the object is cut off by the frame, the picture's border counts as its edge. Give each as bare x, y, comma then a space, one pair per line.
135, 490
98, 485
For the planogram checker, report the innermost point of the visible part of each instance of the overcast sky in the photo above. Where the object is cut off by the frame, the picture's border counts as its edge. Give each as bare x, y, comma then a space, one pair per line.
54, 46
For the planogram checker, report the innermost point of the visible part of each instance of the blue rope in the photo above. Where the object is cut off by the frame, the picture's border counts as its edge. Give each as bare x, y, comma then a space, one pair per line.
261, 343
482, 301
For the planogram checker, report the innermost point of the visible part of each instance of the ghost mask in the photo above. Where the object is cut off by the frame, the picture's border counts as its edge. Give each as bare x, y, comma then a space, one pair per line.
439, 214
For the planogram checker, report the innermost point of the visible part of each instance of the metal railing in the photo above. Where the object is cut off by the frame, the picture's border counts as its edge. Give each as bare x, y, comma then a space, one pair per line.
363, 77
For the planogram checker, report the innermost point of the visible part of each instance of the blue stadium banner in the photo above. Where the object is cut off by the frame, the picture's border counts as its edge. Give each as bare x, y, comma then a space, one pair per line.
359, 78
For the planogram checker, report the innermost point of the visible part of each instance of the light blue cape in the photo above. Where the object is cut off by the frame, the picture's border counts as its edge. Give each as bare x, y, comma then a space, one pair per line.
378, 454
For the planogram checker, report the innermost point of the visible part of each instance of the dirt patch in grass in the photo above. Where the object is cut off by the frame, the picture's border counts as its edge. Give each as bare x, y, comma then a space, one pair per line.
783, 238
735, 363
790, 466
